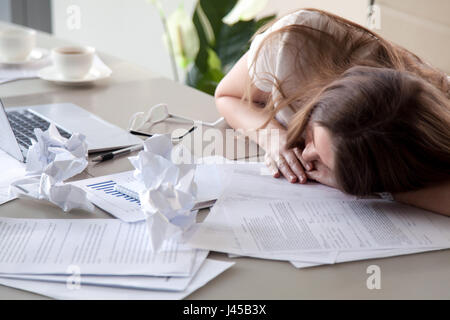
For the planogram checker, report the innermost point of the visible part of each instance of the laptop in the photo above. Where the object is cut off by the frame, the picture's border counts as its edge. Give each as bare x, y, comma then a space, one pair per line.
17, 126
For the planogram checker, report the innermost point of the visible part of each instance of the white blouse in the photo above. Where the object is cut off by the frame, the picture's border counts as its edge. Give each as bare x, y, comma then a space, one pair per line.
282, 56
275, 59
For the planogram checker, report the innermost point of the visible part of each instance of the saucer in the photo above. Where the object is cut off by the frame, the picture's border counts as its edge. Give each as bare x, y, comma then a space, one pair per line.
35, 55
53, 75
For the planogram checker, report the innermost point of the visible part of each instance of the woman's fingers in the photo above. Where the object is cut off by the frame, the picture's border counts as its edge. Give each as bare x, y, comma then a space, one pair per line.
289, 165
285, 169
307, 165
271, 164
295, 165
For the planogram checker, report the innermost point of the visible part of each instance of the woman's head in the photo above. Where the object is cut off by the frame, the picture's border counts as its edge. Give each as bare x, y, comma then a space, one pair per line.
371, 115
323, 47
376, 129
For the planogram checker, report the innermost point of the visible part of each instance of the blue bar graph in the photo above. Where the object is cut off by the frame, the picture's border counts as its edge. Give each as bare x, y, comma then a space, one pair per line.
108, 187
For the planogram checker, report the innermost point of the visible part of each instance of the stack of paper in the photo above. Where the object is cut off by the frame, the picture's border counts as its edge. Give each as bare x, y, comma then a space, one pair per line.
98, 259
209, 270
311, 224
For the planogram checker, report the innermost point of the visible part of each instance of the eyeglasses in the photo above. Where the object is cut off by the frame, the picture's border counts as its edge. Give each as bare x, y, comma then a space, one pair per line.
141, 121
158, 113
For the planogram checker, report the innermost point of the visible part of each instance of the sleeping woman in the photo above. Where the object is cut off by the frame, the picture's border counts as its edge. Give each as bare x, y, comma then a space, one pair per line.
350, 109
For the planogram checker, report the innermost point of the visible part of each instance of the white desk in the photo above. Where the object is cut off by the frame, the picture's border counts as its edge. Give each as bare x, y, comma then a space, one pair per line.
131, 89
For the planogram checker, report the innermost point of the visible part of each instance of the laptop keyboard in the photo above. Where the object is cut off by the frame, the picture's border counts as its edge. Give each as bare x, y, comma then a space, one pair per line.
23, 124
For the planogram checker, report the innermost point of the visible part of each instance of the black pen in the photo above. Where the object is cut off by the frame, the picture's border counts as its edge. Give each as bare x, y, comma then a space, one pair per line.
176, 138
112, 155
121, 152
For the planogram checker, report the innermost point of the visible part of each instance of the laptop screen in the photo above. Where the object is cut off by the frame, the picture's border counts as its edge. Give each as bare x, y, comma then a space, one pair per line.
8, 141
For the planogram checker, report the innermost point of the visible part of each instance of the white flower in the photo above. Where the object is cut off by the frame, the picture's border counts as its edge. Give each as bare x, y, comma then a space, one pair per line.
244, 10
183, 34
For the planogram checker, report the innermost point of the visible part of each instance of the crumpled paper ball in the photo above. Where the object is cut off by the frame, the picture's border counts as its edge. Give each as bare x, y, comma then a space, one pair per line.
50, 161
169, 192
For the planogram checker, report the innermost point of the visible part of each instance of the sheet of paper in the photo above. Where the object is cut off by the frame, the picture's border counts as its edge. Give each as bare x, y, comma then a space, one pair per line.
347, 256
253, 181
4, 195
440, 222
101, 191
208, 181
131, 282
215, 234
209, 270
15, 169
8, 80
283, 226
94, 246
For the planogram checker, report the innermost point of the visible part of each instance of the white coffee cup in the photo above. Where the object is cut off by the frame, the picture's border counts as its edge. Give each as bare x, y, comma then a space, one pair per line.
73, 62
16, 44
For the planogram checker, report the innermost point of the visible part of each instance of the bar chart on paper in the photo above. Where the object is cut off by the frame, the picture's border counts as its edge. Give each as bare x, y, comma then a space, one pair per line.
101, 191
110, 188
118, 194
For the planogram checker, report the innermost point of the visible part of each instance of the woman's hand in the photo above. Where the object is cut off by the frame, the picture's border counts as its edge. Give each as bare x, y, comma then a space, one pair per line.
283, 161
322, 174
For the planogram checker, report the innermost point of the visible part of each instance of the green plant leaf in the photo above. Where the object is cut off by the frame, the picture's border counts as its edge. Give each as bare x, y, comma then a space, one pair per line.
263, 21
215, 11
208, 80
204, 81
206, 27
233, 42
213, 60
216, 58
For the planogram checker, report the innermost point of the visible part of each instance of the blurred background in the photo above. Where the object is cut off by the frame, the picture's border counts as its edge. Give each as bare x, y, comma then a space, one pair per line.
133, 29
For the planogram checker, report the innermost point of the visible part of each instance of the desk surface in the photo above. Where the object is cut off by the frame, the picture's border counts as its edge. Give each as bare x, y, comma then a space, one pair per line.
132, 89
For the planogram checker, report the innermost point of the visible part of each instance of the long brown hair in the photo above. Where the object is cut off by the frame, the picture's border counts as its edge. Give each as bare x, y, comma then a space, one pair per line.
386, 109
390, 130
334, 44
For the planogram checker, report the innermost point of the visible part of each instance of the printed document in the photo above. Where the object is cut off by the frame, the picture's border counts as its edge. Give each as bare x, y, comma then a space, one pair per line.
312, 224
277, 226
215, 234
131, 282
94, 246
208, 271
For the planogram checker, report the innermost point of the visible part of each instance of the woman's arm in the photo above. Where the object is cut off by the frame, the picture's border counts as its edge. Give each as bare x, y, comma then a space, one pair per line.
241, 114
435, 198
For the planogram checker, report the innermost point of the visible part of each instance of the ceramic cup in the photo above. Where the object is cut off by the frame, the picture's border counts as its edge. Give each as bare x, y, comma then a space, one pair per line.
16, 44
73, 62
